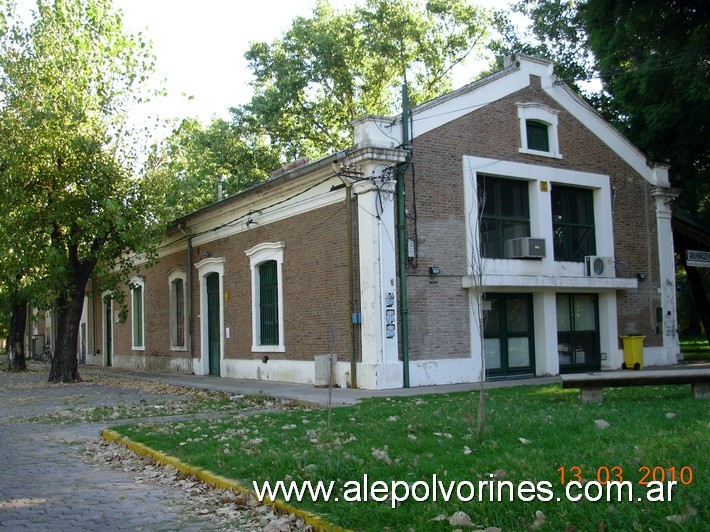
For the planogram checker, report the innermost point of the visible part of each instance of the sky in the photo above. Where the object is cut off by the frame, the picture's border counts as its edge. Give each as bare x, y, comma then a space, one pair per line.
200, 45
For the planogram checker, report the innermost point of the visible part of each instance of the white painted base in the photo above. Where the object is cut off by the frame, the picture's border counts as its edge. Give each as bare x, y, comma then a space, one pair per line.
369, 376
443, 371
660, 356
141, 362
296, 371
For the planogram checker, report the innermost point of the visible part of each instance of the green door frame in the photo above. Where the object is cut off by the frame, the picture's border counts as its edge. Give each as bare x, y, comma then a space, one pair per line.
503, 334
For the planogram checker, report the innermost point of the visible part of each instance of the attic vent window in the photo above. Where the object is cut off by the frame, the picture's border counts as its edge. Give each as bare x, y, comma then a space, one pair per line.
537, 135
538, 130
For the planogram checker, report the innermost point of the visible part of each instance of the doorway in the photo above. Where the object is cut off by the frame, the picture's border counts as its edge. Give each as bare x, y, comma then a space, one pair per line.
508, 343
578, 333
108, 330
213, 323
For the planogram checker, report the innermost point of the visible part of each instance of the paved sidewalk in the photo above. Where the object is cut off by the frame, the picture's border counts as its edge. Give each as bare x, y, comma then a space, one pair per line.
302, 392
340, 396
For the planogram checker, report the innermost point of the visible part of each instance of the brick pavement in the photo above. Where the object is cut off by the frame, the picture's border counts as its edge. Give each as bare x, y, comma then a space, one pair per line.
45, 485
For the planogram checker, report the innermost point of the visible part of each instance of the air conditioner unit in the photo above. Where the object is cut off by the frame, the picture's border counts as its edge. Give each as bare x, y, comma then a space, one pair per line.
598, 266
525, 248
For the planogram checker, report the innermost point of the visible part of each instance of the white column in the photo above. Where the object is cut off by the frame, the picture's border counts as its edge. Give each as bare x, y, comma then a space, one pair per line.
666, 267
609, 331
547, 361
380, 367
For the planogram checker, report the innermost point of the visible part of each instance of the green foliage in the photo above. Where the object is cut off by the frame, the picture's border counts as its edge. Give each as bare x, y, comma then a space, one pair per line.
651, 58
337, 65
68, 80
186, 169
73, 204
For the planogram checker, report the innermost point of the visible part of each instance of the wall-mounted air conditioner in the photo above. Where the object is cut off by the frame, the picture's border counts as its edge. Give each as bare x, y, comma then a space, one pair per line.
525, 248
598, 266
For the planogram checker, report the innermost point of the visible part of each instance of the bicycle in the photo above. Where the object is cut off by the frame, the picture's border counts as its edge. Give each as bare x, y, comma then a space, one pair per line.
46, 355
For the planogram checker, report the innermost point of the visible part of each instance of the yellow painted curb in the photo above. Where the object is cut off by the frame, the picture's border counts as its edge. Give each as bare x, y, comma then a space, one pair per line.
219, 481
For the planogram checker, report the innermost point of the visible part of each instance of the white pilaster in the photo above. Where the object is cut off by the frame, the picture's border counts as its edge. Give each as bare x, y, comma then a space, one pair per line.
380, 367
666, 267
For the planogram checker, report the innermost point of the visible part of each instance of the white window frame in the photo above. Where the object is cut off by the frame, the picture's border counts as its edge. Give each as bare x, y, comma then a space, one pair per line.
259, 254
546, 115
175, 275
137, 282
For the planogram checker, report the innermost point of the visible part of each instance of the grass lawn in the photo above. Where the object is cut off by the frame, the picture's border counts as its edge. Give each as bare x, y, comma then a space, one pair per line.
695, 348
533, 433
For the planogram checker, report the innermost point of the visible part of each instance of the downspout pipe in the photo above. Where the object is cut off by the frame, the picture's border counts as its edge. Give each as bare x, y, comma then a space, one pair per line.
401, 240
188, 292
351, 281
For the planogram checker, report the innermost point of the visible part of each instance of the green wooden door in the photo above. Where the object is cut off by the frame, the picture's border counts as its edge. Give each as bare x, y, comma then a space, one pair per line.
213, 325
108, 329
268, 303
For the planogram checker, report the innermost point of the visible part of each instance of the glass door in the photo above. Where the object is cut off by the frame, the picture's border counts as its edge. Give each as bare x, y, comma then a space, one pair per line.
578, 333
508, 343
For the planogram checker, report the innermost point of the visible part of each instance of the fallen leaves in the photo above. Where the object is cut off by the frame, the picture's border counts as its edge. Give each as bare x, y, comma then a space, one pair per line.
224, 509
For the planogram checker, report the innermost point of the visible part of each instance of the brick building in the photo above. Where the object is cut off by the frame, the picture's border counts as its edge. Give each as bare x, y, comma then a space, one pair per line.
530, 230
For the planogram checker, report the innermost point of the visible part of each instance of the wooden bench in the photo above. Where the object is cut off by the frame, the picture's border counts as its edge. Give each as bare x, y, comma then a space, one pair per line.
591, 384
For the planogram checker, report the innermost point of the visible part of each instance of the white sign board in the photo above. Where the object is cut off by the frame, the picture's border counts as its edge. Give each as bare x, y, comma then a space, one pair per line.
699, 259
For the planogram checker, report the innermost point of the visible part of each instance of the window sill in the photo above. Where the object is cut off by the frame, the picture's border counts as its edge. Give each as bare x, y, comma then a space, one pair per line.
549, 154
178, 348
137, 348
268, 348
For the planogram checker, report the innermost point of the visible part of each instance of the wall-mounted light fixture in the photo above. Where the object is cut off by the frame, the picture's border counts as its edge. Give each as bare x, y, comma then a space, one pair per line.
434, 270
206, 254
641, 276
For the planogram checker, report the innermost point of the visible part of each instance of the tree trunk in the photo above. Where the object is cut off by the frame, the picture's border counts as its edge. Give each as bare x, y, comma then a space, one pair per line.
16, 337
69, 307
65, 367
702, 306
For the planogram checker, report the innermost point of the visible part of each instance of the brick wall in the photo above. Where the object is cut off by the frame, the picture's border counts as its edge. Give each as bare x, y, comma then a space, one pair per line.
439, 313
314, 279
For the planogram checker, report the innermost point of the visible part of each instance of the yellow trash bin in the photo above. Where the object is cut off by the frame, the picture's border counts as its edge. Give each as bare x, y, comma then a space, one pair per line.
633, 352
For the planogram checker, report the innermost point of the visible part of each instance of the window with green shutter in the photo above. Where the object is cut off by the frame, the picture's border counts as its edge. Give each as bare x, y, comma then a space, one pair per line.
178, 318
269, 303
138, 316
537, 134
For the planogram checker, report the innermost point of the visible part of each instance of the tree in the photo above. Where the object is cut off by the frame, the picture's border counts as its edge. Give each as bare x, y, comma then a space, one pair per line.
335, 66
187, 168
651, 57
67, 81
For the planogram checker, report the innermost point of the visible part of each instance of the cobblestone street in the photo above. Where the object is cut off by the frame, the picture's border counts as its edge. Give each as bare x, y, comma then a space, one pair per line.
48, 484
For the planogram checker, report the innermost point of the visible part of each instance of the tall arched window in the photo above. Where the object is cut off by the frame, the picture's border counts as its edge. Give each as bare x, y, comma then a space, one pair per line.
137, 315
178, 306
266, 261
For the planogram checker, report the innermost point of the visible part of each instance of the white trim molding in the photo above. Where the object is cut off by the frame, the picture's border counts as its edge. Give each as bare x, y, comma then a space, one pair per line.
540, 113
258, 255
